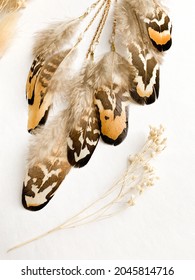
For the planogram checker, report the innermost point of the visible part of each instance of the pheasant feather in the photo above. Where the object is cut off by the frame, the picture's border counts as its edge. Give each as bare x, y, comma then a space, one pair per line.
111, 96
50, 51
47, 163
148, 34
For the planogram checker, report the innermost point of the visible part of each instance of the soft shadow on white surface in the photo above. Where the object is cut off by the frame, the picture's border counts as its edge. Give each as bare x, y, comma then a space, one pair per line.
161, 225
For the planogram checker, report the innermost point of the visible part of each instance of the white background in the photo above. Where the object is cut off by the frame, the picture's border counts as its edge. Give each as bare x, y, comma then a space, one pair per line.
162, 223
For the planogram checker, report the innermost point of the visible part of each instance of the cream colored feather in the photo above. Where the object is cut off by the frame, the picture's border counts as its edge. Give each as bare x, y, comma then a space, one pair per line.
9, 17
12, 5
8, 24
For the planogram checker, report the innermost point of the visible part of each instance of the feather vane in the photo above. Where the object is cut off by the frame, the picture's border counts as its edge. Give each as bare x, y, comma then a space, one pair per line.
85, 131
111, 96
148, 30
47, 163
49, 54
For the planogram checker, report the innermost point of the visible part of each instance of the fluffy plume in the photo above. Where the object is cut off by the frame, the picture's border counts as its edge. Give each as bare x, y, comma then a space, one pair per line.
112, 85
148, 34
50, 51
54, 37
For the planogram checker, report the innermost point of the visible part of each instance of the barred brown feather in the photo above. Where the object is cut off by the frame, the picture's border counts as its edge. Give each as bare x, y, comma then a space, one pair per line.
49, 52
112, 102
148, 33
159, 29
84, 130
112, 86
47, 163
42, 181
83, 138
146, 82
37, 88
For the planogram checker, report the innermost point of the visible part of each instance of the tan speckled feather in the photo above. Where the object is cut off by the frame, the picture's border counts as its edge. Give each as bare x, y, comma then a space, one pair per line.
148, 35
50, 51
113, 80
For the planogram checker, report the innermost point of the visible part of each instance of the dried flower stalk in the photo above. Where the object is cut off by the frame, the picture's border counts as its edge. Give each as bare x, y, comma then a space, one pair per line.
138, 177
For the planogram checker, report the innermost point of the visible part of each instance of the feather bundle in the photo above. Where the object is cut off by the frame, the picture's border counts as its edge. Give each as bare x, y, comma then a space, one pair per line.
95, 101
148, 33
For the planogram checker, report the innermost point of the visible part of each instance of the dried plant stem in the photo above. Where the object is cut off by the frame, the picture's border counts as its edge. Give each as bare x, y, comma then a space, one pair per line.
138, 176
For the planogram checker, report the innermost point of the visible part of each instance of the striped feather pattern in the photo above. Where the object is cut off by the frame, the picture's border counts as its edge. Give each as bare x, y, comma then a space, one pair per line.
83, 138
39, 100
148, 35
111, 96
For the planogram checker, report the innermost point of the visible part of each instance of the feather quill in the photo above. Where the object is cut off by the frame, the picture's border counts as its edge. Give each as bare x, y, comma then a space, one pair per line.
139, 20
113, 80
